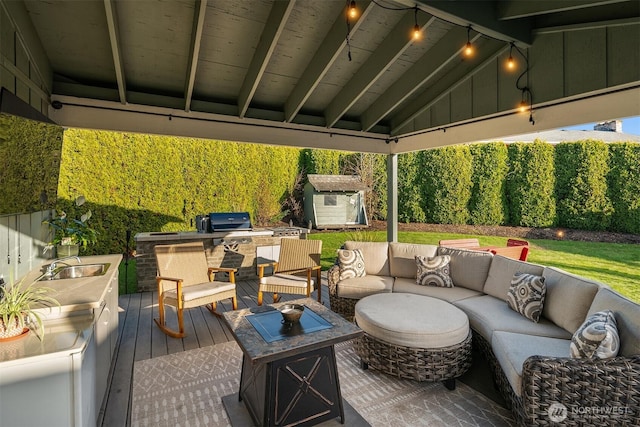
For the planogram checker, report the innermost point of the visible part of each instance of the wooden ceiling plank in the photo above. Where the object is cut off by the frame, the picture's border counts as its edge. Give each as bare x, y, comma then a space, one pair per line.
525, 9
114, 38
194, 51
276, 22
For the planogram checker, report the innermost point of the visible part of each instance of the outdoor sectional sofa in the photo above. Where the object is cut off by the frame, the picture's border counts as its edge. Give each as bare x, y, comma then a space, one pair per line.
531, 361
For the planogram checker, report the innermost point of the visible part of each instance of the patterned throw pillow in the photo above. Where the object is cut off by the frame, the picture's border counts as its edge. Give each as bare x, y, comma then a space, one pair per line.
351, 263
434, 271
597, 338
526, 295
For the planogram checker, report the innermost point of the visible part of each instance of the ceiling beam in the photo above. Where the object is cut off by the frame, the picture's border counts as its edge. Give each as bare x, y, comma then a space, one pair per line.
448, 49
268, 40
447, 84
194, 51
114, 38
386, 54
524, 9
481, 15
322, 60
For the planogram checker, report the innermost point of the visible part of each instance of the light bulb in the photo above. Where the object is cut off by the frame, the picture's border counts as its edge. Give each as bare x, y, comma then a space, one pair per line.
511, 63
523, 107
417, 34
468, 50
353, 12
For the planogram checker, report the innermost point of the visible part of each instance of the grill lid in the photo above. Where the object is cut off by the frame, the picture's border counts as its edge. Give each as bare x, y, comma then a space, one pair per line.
224, 221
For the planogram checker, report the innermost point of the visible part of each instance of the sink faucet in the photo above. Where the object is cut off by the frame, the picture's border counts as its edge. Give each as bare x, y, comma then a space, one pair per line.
55, 263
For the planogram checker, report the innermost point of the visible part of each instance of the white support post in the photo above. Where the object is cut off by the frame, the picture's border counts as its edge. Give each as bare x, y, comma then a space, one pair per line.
392, 197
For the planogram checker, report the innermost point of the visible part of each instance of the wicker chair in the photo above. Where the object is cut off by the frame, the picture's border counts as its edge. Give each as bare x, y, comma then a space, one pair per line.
296, 256
186, 281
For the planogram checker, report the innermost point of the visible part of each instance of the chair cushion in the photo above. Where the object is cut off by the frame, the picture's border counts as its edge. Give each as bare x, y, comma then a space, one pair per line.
488, 314
360, 287
627, 314
433, 271
351, 263
281, 279
375, 254
402, 258
501, 272
526, 295
562, 287
597, 338
513, 349
447, 294
469, 269
200, 290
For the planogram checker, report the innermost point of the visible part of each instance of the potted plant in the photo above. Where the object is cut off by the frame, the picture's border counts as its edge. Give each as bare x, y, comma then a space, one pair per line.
18, 303
70, 234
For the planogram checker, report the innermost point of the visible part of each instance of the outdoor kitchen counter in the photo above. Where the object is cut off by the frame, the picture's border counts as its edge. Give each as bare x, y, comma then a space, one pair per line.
194, 235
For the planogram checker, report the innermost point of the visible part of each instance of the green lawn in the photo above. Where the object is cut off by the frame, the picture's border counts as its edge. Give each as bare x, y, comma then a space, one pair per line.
615, 264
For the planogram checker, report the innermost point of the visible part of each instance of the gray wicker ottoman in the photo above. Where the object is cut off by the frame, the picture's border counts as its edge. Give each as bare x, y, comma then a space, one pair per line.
414, 337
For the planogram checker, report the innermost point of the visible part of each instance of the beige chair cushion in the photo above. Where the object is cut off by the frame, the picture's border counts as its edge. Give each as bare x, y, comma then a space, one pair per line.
375, 254
488, 314
190, 293
402, 258
360, 287
627, 314
286, 284
512, 350
412, 320
469, 269
502, 271
447, 294
562, 287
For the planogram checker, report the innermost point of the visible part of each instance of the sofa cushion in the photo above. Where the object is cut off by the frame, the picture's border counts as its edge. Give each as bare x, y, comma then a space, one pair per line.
402, 258
501, 272
627, 314
597, 338
562, 287
360, 287
447, 294
469, 269
526, 295
433, 271
351, 263
512, 350
375, 254
488, 314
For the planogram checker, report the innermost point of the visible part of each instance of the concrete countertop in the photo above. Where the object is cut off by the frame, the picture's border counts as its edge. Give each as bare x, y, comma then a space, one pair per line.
194, 235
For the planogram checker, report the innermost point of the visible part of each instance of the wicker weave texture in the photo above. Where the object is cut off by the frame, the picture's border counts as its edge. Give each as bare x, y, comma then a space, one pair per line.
420, 364
345, 307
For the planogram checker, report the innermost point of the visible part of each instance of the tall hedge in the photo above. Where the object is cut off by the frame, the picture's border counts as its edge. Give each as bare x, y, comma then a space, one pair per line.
488, 202
323, 162
410, 202
624, 186
446, 177
581, 185
531, 184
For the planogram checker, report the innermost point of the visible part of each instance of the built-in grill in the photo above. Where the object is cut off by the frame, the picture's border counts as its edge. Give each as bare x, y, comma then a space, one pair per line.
223, 221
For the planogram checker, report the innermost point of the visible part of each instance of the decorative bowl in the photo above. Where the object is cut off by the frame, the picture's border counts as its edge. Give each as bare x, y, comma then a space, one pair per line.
291, 313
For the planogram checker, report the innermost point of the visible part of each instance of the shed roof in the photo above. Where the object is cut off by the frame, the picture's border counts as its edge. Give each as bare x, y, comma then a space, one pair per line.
336, 182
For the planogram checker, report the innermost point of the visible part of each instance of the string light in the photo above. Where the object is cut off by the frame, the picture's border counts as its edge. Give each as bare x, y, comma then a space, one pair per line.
417, 34
511, 63
468, 50
353, 11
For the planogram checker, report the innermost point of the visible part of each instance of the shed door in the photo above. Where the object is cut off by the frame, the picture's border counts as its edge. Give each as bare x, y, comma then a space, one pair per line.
353, 209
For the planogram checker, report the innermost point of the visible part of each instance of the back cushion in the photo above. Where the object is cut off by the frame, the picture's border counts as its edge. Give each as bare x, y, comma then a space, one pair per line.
375, 254
627, 315
502, 271
561, 288
402, 258
468, 268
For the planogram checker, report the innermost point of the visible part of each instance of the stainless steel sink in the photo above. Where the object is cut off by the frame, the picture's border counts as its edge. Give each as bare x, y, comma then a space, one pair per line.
78, 271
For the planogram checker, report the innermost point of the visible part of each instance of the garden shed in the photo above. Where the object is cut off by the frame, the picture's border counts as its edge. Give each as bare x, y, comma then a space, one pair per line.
335, 201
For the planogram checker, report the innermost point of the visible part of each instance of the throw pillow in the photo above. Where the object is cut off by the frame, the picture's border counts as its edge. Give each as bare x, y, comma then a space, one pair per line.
597, 337
434, 271
526, 295
351, 263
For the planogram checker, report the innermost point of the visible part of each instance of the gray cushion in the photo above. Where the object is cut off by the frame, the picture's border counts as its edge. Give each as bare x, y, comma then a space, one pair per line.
512, 350
562, 287
402, 258
597, 338
360, 287
469, 269
488, 314
526, 295
351, 263
447, 294
627, 314
502, 271
433, 271
375, 254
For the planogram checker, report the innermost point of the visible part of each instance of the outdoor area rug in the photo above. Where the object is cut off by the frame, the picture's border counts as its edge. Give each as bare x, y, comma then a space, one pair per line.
186, 389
